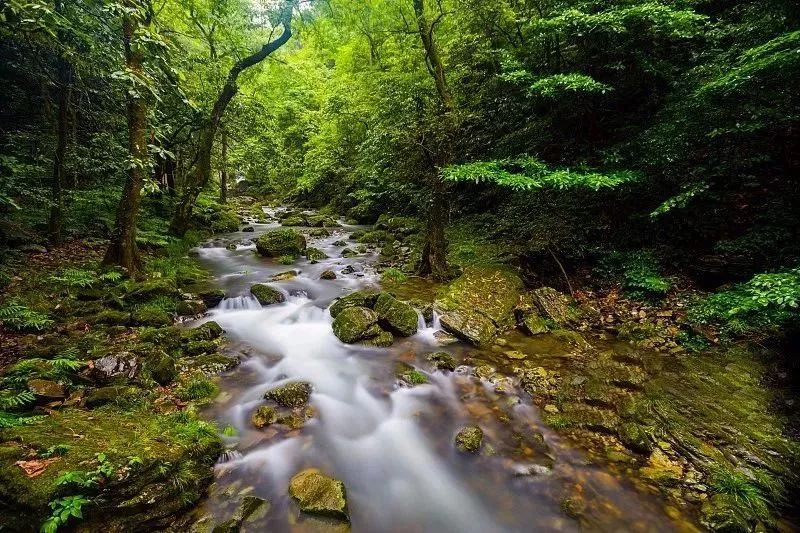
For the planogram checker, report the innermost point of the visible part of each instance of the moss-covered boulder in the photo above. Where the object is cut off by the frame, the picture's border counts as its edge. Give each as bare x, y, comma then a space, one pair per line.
557, 307
190, 307
212, 297
293, 394
355, 299
382, 339
281, 242
150, 289
442, 361
151, 316
161, 368
328, 275
534, 324
479, 304
118, 394
263, 416
396, 316
207, 331
348, 252
266, 295
200, 347
46, 389
210, 364
294, 220
315, 254
110, 317
635, 437
316, 493
469, 439
356, 324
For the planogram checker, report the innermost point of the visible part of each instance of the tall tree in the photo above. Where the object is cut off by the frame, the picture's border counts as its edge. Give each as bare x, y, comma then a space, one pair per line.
137, 16
202, 171
223, 172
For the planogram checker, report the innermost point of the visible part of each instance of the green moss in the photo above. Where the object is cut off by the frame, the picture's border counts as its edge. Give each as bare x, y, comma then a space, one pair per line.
294, 394
281, 242
414, 377
396, 316
469, 439
197, 387
355, 324
266, 295
355, 299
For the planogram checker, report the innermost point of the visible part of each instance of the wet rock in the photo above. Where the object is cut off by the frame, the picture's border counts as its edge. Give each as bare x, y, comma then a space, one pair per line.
315, 254
251, 509
347, 252
383, 339
328, 275
283, 276
537, 380
442, 361
355, 324
295, 220
723, 512
212, 297
443, 338
208, 331
484, 371
396, 316
114, 368
635, 437
353, 269
469, 439
318, 494
319, 232
190, 307
533, 324
469, 326
201, 347
413, 377
45, 389
661, 470
556, 306
571, 337
340, 243
515, 354
281, 242
424, 308
293, 394
264, 416
266, 295
210, 364
248, 229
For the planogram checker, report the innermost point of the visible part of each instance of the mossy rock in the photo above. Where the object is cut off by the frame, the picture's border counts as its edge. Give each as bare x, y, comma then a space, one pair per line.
45, 389
208, 331
250, 510
396, 316
347, 252
328, 275
263, 416
469, 326
413, 377
315, 254
281, 242
294, 220
118, 394
151, 316
355, 299
556, 306
469, 439
635, 437
210, 364
356, 324
442, 361
293, 394
381, 237
195, 348
161, 368
148, 290
110, 317
212, 297
190, 307
534, 324
316, 493
266, 295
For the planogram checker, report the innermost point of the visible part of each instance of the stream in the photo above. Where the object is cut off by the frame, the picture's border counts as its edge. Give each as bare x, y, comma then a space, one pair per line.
391, 444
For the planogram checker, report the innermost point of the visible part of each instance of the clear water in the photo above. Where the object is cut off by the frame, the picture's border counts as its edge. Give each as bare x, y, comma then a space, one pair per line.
391, 445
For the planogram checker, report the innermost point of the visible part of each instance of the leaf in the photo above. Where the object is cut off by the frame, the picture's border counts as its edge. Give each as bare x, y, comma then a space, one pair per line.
35, 467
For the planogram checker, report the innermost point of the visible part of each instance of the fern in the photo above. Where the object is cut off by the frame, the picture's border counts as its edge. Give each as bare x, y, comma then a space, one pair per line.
10, 399
12, 420
76, 277
16, 316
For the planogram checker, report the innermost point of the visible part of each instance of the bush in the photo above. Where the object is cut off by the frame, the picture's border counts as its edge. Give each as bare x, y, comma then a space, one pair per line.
639, 273
393, 275
764, 306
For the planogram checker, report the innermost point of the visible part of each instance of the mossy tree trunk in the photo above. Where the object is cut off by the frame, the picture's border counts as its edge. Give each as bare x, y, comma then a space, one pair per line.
223, 173
123, 250
198, 179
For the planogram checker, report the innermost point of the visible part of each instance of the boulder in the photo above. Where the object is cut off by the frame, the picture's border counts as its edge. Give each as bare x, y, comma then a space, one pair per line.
354, 299
538, 380
248, 229
47, 390
383, 339
212, 297
208, 331
534, 324
469, 326
442, 361
328, 275
556, 306
266, 295
264, 416
347, 252
281, 242
469, 439
151, 316
161, 368
150, 289
356, 324
293, 394
319, 494
114, 393
190, 307
119, 367
315, 254
396, 316
295, 220
283, 276
251, 509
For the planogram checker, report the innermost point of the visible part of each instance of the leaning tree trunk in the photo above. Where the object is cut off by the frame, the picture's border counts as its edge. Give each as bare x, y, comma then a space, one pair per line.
123, 250
64, 75
199, 178
434, 250
223, 174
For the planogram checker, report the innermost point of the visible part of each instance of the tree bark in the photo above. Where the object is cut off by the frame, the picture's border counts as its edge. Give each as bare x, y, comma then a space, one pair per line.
199, 178
64, 77
123, 250
434, 250
223, 173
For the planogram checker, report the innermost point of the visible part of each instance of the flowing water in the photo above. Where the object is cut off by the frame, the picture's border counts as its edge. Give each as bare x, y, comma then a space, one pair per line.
392, 445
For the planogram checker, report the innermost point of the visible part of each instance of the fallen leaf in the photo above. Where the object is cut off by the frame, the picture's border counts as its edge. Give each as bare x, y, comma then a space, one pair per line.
35, 467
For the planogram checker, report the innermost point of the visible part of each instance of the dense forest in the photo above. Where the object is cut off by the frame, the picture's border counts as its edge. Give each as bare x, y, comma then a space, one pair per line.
502, 265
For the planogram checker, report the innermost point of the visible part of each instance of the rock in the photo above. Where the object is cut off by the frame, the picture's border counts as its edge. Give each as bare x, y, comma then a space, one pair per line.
354, 299
293, 394
442, 361
154, 288
190, 307
120, 367
443, 338
347, 252
328, 275
635, 437
484, 371
264, 416
515, 354
318, 494
571, 337
281, 242
47, 390
533, 324
469, 326
248, 229
469, 439
266, 295
354, 324
212, 297
556, 306
114, 393
661, 470
151, 316
283, 276
211, 364
723, 512
161, 368
413, 377
251, 508
538, 380
110, 317
396, 316
383, 339
208, 331
296, 220
315, 254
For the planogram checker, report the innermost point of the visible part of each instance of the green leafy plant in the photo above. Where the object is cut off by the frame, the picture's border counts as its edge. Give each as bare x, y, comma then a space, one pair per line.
197, 387
744, 492
286, 259
394, 275
16, 316
639, 272
62, 510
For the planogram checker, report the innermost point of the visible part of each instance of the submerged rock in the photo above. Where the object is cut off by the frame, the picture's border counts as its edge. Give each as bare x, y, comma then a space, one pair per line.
281, 242
266, 295
469, 439
396, 316
251, 508
293, 394
355, 324
442, 361
264, 416
319, 494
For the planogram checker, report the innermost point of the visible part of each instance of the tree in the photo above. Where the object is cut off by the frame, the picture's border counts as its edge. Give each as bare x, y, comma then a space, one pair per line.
123, 251
199, 178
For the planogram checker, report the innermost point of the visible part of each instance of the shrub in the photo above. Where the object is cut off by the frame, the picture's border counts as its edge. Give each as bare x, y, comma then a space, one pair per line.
639, 272
393, 275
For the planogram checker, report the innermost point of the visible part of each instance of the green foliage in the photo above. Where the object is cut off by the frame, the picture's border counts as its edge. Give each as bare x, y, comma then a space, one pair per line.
763, 306
743, 491
393, 275
197, 387
62, 510
16, 316
559, 85
639, 272
528, 173
286, 259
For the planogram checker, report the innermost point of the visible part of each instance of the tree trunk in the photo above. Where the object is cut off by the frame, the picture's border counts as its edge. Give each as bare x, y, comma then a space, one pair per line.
223, 174
199, 178
64, 76
123, 250
434, 250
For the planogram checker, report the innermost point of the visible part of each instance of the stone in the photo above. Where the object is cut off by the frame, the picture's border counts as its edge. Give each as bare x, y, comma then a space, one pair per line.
396, 316
212, 297
208, 331
283, 276
442, 361
293, 394
443, 338
264, 416
469, 439
383, 339
347, 252
47, 390
119, 367
161, 368
413, 377
469, 326
515, 354
150, 316
113, 393
537, 380
661, 470
150, 289
248, 229
533, 324
315, 254
556, 306
281, 242
266, 295
355, 324
635, 437
484, 371
251, 509
328, 275
316, 493
190, 307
